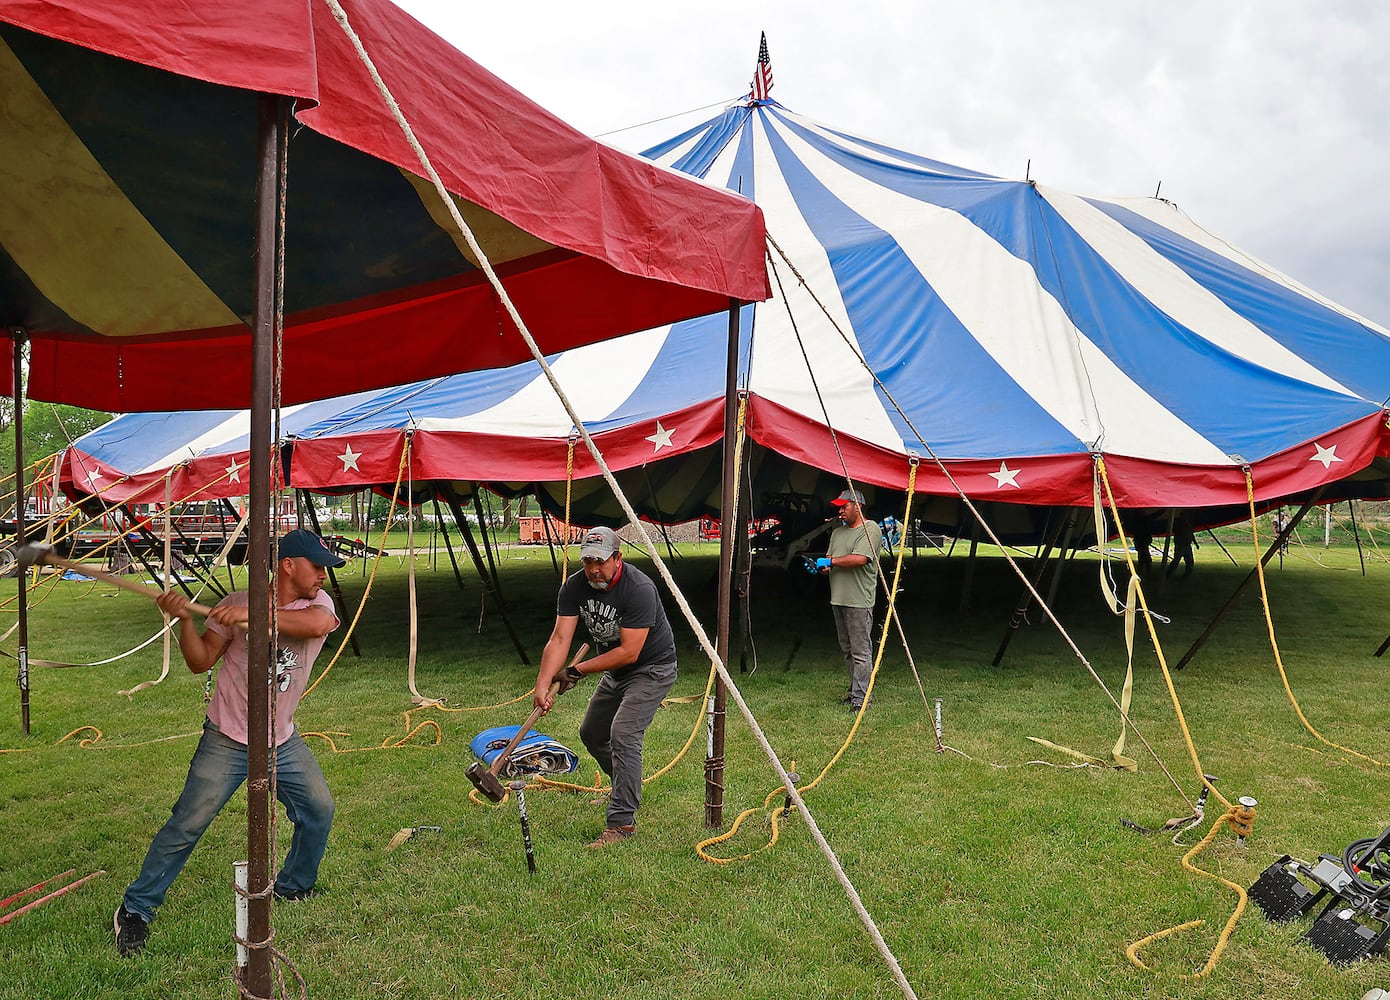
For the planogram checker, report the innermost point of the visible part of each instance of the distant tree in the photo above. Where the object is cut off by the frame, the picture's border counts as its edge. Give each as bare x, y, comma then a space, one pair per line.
48, 428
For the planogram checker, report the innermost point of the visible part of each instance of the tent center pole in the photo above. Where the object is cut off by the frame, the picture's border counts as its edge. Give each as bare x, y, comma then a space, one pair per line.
728, 518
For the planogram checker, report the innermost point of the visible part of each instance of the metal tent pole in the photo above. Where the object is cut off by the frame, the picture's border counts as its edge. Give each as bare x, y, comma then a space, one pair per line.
22, 603
728, 511
271, 141
466, 533
444, 531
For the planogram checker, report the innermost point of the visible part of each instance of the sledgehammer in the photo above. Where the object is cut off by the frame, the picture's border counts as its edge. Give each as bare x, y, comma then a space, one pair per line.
36, 554
485, 779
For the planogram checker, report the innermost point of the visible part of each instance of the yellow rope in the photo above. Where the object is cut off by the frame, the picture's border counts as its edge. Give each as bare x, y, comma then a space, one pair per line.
90, 742
1269, 625
695, 730
1240, 819
858, 718
389, 743
1158, 651
376, 563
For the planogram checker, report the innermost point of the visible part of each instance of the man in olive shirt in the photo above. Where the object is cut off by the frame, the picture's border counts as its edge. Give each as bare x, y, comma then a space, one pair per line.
852, 562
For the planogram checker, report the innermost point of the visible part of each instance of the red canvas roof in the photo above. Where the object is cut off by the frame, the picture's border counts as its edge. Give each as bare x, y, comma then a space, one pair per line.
126, 233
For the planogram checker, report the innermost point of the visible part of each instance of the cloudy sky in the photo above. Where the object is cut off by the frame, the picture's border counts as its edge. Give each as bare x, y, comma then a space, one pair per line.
1267, 121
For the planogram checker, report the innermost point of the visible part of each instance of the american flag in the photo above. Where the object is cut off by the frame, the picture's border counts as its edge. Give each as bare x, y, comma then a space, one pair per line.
762, 75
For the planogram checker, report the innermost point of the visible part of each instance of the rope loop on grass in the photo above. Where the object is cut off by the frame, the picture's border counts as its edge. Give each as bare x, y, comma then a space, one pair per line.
1240, 819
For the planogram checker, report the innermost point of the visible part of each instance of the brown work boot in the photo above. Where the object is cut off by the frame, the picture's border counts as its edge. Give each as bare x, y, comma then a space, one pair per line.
614, 835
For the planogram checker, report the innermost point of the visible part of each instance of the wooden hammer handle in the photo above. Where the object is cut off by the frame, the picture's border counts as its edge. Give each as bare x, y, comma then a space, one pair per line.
136, 588
501, 758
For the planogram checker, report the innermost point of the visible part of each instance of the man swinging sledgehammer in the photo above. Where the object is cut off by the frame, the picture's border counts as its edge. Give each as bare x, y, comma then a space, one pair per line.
636, 653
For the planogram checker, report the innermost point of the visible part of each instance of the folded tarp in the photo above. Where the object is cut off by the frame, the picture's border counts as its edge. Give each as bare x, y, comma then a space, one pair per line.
535, 754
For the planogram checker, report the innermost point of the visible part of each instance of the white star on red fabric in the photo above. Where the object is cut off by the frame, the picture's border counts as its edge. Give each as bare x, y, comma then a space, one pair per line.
1006, 477
93, 476
349, 459
1325, 455
234, 472
661, 439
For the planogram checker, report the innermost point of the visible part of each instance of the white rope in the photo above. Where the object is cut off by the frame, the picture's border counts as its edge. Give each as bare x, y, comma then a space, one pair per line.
699, 631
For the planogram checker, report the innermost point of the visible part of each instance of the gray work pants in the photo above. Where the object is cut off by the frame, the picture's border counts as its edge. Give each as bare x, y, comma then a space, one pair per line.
854, 628
623, 706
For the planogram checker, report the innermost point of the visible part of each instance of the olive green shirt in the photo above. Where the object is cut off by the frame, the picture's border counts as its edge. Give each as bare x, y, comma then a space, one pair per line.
855, 586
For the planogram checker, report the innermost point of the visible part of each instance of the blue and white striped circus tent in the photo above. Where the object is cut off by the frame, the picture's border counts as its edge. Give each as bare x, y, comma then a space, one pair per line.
1001, 334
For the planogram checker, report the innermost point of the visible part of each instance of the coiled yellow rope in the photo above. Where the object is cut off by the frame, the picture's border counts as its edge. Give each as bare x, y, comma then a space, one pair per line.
1240, 819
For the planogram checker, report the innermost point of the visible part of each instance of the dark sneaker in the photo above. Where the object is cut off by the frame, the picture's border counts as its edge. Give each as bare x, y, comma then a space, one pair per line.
855, 706
131, 932
297, 895
614, 835
847, 699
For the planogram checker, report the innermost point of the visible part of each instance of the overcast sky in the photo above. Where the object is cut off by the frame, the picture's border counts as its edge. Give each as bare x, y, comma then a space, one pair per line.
1267, 121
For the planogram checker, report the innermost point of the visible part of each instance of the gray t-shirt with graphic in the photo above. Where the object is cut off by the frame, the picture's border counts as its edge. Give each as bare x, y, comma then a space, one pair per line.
630, 602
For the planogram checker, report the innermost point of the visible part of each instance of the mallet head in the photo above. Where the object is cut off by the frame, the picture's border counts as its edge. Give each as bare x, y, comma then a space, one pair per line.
33, 554
485, 781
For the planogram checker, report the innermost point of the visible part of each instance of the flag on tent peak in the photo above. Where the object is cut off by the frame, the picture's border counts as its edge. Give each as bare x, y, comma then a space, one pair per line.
762, 74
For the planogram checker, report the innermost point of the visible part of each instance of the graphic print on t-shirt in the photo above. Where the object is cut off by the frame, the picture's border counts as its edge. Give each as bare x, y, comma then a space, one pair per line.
602, 622
286, 660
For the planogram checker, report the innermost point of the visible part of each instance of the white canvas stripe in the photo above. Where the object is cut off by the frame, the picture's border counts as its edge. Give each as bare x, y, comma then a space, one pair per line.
1017, 322
1185, 301
778, 370
1170, 217
597, 378
236, 426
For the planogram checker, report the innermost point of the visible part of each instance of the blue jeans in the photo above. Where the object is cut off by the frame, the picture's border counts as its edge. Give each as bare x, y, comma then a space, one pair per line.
217, 770
615, 722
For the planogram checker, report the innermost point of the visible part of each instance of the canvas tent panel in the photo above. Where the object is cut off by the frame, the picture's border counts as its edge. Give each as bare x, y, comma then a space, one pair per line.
140, 262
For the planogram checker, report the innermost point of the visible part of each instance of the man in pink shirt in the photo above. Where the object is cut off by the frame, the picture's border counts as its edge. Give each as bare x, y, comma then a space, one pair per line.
304, 617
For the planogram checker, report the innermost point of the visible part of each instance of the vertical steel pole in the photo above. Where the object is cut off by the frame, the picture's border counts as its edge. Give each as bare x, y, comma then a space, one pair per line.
270, 138
728, 508
22, 603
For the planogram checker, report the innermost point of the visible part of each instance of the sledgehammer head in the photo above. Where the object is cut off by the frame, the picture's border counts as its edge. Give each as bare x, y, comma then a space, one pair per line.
485, 781
33, 554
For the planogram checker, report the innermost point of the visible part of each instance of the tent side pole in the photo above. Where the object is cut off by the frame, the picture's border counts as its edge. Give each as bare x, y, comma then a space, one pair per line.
1064, 548
483, 531
1250, 578
728, 515
461, 521
22, 603
444, 531
969, 580
1051, 530
270, 136
1356, 534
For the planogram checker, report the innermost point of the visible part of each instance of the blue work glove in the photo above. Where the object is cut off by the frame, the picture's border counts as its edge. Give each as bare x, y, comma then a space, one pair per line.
822, 563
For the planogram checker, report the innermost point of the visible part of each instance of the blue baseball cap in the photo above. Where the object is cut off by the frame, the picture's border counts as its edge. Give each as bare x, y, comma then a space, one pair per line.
307, 545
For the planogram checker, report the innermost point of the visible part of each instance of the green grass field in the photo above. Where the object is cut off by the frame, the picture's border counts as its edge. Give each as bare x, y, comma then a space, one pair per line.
988, 872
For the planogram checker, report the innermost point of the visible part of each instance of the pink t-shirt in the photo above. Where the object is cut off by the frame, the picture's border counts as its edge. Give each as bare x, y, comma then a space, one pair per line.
294, 659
